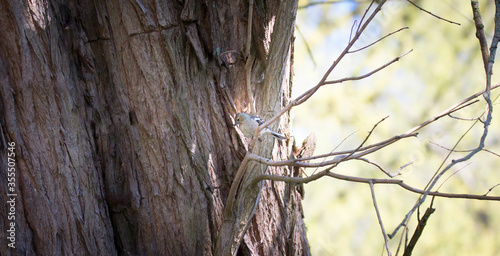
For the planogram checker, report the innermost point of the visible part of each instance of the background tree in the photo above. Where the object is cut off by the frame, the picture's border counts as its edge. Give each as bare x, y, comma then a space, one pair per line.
121, 112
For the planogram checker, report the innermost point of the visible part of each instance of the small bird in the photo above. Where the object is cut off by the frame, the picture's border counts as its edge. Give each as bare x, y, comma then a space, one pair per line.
248, 124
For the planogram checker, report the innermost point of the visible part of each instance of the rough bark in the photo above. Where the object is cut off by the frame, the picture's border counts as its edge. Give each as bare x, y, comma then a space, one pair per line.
121, 112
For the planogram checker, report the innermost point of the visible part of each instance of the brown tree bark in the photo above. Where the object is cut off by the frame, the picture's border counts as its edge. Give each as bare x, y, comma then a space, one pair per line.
121, 112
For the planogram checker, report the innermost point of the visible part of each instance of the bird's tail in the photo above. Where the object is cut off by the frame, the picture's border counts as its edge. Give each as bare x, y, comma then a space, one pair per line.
278, 135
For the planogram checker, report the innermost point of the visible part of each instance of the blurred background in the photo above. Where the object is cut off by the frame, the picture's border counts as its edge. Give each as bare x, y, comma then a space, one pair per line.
444, 68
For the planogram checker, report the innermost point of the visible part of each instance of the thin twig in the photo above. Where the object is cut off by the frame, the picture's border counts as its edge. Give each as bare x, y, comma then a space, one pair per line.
462, 104
463, 151
376, 165
352, 29
451, 175
398, 172
310, 4
333, 150
364, 141
369, 73
489, 190
405, 232
449, 149
491, 152
463, 118
364, 15
384, 37
380, 219
432, 14
309, 52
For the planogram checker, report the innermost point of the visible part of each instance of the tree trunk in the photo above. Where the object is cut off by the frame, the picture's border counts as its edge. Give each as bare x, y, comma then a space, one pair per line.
121, 113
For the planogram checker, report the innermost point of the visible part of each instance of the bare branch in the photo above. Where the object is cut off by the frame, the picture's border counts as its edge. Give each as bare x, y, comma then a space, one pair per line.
480, 33
451, 175
364, 150
462, 104
405, 235
302, 98
463, 118
418, 231
309, 52
335, 148
463, 151
489, 190
491, 152
364, 141
390, 34
380, 219
493, 49
310, 4
410, 133
378, 166
343, 155
300, 180
432, 14
398, 172
352, 29
367, 74
376, 145
449, 149
364, 15
452, 109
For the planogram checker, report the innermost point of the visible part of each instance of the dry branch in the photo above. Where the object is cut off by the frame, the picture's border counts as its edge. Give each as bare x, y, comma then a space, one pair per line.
380, 219
400, 183
480, 33
432, 14
418, 231
382, 38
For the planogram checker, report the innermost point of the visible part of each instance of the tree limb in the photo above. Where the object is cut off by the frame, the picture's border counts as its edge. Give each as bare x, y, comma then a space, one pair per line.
380, 219
300, 180
432, 14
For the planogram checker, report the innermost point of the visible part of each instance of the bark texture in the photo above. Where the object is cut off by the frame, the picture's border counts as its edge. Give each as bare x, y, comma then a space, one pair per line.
121, 112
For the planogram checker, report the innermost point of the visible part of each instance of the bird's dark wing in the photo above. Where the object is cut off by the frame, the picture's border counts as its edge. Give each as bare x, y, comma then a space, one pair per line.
258, 120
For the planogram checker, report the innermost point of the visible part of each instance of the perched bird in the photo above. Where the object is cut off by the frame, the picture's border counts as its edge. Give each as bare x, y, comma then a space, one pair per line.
248, 124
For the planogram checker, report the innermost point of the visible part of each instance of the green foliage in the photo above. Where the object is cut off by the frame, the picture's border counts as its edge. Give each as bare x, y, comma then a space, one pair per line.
444, 68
